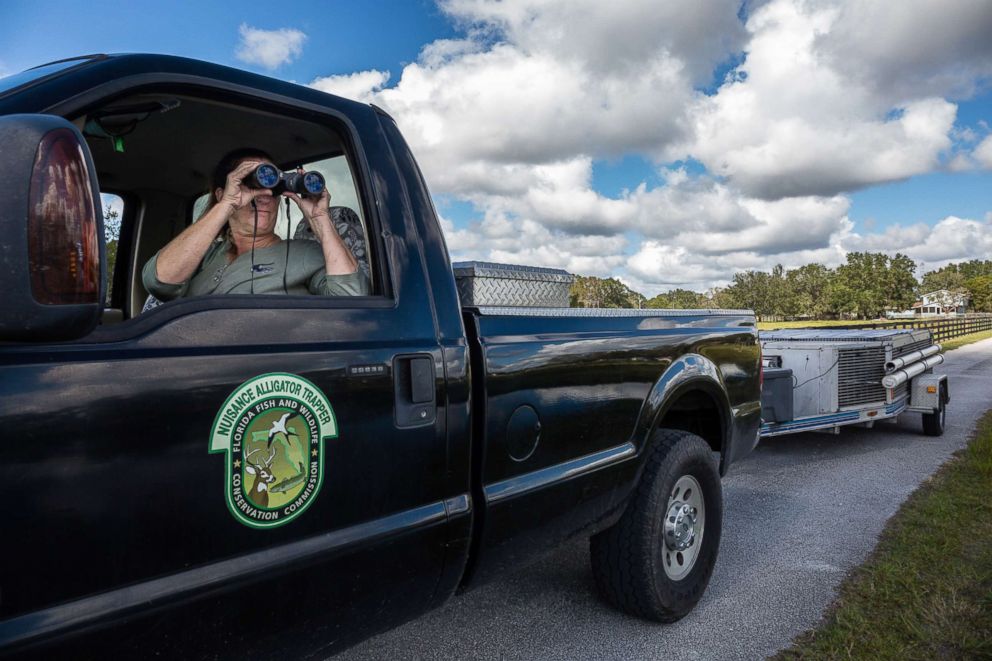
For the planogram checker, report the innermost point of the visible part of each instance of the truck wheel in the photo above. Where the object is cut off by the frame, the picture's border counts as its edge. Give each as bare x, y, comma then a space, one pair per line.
656, 561
933, 423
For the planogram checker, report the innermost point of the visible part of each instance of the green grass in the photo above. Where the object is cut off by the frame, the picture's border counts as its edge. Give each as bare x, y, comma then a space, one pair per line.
965, 339
769, 325
926, 591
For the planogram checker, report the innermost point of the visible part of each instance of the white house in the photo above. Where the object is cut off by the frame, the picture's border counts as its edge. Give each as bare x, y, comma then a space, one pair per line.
942, 301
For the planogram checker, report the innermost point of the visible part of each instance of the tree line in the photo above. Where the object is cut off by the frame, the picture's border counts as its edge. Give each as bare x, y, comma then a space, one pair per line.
864, 287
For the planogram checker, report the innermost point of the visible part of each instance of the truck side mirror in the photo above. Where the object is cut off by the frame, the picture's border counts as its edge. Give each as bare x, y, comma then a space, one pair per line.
51, 231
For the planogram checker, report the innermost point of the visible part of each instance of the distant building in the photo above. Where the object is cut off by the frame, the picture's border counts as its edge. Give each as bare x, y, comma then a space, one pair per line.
942, 301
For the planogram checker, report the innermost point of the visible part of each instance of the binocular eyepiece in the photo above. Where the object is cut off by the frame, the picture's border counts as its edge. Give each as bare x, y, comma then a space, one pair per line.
268, 176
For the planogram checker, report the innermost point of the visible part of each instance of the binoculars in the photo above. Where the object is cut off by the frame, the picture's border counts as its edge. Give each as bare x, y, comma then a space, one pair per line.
268, 176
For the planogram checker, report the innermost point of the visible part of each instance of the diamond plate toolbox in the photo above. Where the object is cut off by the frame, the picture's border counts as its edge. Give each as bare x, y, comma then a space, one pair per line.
487, 283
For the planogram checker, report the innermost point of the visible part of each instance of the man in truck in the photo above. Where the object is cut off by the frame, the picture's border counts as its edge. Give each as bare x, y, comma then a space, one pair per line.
233, 247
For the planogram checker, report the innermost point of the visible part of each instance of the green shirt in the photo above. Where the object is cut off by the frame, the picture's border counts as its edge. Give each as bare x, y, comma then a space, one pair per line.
303, 266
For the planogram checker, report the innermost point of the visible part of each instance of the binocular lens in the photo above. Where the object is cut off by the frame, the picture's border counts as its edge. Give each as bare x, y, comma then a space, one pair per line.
308, 183
265, 176
313, 182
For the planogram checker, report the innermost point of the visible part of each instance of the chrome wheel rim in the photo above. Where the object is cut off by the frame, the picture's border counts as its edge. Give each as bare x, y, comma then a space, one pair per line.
685, 521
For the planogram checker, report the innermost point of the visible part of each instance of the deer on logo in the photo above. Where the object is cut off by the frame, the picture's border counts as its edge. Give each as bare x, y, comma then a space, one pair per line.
263, 477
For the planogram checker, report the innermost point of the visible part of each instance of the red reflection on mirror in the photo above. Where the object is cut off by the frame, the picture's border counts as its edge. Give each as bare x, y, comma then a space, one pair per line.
63, 248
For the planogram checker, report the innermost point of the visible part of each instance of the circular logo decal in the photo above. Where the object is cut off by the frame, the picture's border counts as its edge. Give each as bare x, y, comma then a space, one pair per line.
272, 429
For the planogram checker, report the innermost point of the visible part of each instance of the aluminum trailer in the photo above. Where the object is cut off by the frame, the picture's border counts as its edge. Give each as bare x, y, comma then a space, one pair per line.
823, 379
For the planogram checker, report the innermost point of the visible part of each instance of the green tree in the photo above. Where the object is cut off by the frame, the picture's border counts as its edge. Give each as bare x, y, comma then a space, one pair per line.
765, 293
721, 298
592, 292
870, 283
949, 278
859, 287
980, 291
808, 287
779, 291
678, 299
636, 299
900, 283
974, 268
111, 235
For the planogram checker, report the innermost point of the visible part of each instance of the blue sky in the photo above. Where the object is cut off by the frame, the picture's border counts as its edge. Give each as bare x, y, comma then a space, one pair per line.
342, 36
700, 166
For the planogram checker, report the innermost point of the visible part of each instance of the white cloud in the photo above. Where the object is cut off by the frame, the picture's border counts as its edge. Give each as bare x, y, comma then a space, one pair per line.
797, 121
269, 49
983, 153
360, 86
659, 266
507, 105
913, 48
895, 238
782, 226
673, 266
538, 81
439, 52
512, 241
697, 231
611, 37
952, 239
831, 96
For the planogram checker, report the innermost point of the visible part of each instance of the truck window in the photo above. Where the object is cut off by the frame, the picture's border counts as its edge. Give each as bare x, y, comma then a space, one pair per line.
160, 150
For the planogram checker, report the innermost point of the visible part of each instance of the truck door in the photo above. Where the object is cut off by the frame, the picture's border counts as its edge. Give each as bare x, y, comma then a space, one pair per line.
232, 472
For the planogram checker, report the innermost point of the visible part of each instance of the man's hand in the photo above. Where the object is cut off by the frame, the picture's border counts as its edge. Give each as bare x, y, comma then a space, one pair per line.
316, 210
337, 258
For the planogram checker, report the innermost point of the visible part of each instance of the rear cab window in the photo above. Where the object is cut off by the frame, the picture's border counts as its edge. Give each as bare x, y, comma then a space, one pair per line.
113, 214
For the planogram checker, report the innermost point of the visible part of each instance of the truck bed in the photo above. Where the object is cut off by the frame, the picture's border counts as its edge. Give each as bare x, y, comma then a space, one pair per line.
564, 401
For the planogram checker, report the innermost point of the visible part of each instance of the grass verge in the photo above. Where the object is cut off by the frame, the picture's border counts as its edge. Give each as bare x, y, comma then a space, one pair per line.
965, 339
769, 325
926, 591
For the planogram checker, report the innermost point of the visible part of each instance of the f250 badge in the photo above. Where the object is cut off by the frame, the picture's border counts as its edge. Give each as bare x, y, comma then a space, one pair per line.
272, 429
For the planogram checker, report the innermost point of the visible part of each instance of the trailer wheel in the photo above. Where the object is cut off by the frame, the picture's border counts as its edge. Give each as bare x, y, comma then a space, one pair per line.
656, 561
933, 423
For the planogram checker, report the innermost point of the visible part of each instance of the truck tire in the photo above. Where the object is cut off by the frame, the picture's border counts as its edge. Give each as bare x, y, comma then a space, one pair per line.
656, 561
933, 423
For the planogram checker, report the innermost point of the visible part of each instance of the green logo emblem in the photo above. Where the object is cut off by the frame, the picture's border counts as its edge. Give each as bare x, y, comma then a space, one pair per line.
271, 429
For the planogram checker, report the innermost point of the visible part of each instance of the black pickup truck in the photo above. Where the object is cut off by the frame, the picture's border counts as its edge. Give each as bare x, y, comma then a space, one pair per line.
282, 476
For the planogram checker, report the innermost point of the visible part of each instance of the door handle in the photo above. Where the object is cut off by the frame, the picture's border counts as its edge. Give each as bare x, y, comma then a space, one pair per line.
414, 390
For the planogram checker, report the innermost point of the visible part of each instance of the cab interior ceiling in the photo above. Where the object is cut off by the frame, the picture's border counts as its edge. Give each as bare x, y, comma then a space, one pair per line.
172, 142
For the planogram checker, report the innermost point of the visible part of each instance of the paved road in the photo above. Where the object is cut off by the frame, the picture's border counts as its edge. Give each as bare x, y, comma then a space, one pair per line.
801, 511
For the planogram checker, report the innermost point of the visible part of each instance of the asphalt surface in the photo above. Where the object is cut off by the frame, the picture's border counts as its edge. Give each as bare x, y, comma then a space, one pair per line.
800, 512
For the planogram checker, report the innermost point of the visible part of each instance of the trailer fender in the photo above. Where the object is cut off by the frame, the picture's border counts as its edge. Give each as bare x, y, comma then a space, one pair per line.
926, 392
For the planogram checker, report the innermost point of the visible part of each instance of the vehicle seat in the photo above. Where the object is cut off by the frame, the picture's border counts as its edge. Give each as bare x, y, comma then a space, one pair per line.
349, 227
